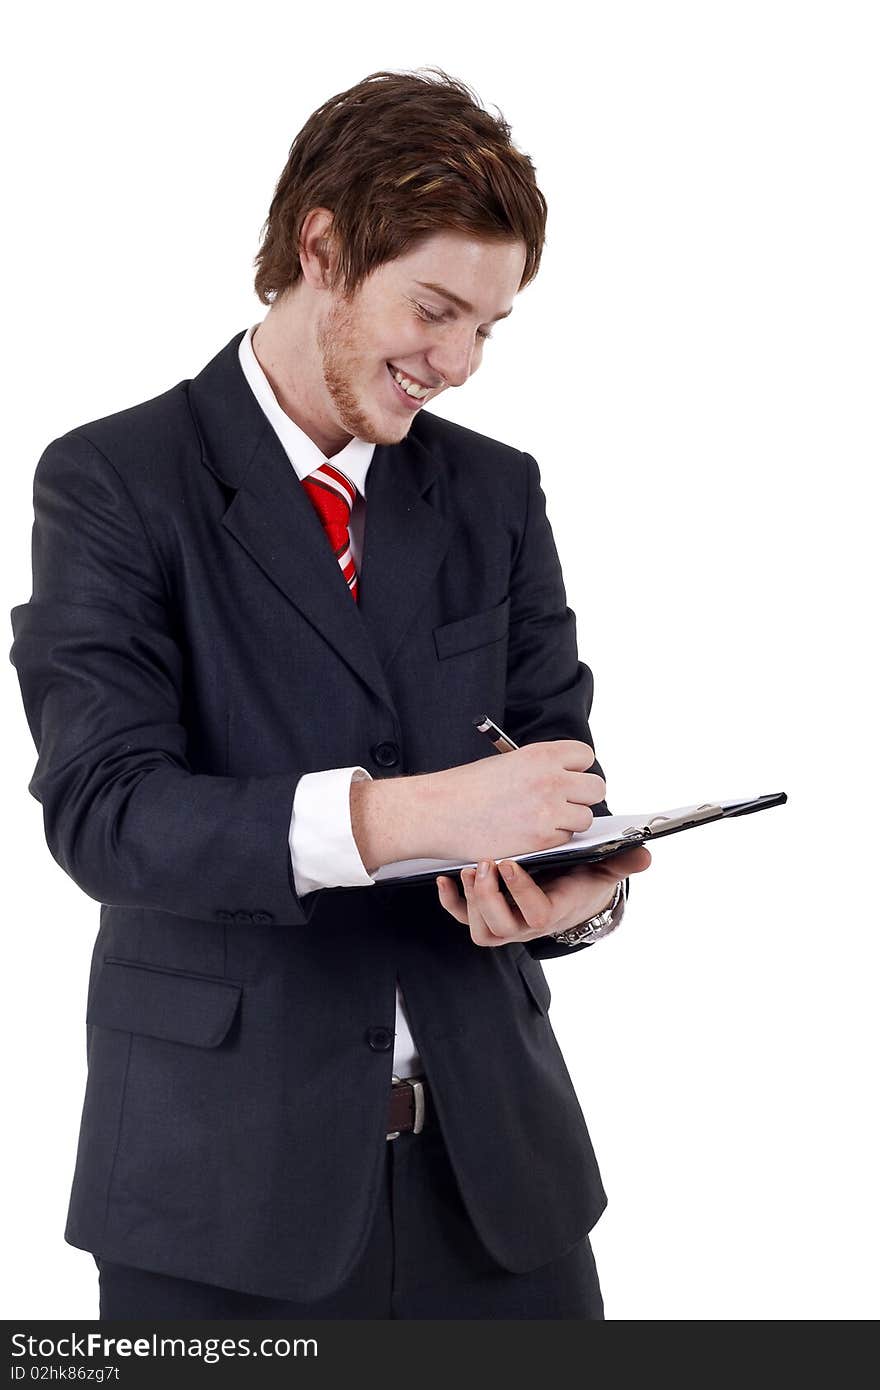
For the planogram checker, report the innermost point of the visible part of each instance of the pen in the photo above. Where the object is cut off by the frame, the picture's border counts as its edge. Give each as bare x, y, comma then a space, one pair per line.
502, 741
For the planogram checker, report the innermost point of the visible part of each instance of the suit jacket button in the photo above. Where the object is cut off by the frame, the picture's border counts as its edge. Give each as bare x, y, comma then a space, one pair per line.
380, 1039
244, 919
262, 918
224, 916
385, 754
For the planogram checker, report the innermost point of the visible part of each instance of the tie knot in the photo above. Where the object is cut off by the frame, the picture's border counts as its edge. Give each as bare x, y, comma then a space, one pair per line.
332, 495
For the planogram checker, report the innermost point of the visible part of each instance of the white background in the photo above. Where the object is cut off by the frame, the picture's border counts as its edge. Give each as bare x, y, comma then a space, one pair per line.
692, 370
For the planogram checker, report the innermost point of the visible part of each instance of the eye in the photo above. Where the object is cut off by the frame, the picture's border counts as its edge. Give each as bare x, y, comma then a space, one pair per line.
438, 318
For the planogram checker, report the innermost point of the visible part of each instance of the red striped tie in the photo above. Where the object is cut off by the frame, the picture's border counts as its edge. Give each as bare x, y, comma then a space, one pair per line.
333, 497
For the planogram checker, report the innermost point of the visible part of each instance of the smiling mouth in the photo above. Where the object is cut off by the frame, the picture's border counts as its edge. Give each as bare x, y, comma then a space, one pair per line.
420, 384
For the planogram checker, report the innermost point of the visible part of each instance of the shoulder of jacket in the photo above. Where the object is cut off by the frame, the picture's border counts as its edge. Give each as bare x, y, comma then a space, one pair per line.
159, 418
449, 441
142, 443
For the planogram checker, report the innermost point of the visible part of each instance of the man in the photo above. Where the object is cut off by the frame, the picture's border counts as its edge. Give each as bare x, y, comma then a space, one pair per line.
267, 606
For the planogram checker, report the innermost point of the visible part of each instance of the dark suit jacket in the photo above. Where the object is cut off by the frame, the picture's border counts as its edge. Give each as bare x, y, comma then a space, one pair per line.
189, 651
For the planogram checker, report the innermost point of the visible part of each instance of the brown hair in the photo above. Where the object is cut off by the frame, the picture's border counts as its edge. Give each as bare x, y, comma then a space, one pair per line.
397, 158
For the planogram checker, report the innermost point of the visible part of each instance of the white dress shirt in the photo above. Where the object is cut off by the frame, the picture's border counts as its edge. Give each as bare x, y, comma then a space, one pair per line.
323, 852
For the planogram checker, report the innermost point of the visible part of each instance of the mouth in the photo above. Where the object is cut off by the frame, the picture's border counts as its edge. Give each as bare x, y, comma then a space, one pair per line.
412, 402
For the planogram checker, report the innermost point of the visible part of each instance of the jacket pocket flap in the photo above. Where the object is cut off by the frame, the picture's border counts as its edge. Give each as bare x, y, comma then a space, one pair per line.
535, 980
477, 630
164, 1004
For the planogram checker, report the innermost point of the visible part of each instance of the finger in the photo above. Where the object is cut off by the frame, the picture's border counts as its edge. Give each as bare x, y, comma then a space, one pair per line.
500, 919
455, 905
534, 905
628, 861
584, 788
479, 931
575, 818
481, 935
578, 756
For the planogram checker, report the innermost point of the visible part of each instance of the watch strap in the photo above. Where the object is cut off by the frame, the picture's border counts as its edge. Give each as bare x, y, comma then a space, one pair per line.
602, 924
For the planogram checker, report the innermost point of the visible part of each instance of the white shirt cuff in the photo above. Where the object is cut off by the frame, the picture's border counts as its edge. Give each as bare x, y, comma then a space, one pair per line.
323, 852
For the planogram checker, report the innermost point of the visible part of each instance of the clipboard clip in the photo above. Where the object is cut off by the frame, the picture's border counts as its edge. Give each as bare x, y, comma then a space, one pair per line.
663, 825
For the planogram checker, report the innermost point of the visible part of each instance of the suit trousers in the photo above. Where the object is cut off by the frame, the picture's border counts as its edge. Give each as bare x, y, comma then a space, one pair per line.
423, 1259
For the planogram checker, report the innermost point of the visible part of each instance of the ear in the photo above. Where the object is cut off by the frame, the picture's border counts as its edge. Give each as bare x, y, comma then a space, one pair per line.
317, 248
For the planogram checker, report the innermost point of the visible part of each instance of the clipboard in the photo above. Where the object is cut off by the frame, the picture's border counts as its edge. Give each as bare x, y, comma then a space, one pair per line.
607, 835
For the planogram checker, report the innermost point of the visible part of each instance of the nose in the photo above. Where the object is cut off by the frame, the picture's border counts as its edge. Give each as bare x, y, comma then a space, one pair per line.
453, 359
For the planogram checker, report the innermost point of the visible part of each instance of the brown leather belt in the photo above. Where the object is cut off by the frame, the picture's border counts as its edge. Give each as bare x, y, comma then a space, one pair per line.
406, 1106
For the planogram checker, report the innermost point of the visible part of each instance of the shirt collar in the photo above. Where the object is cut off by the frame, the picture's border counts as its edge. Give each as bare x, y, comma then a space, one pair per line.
305, 456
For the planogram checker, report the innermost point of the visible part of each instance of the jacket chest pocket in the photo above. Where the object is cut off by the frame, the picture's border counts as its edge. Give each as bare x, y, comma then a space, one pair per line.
473, 632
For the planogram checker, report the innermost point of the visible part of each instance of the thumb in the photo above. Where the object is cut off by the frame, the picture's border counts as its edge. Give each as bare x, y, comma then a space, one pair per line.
629, 861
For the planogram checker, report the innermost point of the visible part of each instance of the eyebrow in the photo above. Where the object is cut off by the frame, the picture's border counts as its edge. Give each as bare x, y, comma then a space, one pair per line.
456, 300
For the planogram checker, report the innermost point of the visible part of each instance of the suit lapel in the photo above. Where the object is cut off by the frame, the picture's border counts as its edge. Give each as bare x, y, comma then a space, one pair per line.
271, 516
405, 540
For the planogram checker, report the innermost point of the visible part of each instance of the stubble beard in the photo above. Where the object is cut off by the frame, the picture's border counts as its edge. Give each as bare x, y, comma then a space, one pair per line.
337, 340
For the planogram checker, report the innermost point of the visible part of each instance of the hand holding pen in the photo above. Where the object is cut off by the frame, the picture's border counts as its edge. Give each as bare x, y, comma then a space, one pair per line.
545, 792
534, 799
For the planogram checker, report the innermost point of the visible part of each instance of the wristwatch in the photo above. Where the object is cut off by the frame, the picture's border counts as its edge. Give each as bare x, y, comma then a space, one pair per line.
604, 922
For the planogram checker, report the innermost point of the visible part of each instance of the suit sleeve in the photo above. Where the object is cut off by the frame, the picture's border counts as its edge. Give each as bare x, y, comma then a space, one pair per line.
549, 691
101, 677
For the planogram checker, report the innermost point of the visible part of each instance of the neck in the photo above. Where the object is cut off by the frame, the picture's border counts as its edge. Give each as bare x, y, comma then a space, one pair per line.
276, 346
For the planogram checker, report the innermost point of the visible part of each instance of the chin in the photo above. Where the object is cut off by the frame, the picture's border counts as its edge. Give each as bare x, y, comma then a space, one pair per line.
386, 436
376, 429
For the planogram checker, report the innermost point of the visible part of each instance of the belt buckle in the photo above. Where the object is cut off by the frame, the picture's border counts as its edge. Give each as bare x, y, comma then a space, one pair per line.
418, 1104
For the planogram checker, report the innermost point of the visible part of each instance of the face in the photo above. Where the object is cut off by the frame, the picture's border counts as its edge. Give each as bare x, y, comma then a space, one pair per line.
405, 315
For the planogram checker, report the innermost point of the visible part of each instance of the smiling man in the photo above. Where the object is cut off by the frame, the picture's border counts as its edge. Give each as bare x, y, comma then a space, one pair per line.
267, 606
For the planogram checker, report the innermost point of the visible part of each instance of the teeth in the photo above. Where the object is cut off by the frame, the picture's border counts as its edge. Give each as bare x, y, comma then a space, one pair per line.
410, 387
